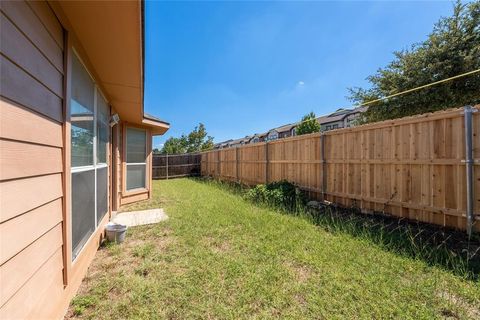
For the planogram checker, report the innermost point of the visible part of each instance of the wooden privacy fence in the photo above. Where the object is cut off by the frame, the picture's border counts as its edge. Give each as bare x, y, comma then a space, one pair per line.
168, 166
411, 167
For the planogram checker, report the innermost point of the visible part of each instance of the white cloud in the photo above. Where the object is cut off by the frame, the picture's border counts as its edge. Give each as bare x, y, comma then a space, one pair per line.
300, 83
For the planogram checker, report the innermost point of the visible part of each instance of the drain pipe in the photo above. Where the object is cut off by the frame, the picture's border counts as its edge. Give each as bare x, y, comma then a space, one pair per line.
468, 110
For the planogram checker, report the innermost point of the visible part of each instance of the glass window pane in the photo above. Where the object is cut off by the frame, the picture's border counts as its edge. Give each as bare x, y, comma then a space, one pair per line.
136, 146
102, 193
103, 129
81, 114
136, 176
83, 208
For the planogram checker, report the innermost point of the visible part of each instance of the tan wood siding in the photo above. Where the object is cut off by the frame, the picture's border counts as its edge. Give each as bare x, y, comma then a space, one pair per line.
44, 13
37, 298
35, 192
18, 233
19, 160
20, 13
16, 272
31, 161
27, 91
24, 54
134, 198
19, 123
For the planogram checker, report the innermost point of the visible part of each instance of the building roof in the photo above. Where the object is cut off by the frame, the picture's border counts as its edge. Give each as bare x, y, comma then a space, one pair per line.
339, 115
285, 128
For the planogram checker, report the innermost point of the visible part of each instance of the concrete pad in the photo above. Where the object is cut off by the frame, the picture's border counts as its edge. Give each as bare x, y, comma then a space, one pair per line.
139, 218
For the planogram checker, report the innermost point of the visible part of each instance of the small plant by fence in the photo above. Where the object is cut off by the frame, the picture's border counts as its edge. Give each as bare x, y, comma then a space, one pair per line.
415, 167
169, 166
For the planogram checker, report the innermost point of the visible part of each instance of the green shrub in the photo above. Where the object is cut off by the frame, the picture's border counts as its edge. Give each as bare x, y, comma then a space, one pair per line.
281, 194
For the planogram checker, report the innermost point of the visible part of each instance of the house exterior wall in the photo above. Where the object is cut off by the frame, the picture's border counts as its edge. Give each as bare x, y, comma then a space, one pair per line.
332, 125
32, 163
350, 119
38, 276
284, 134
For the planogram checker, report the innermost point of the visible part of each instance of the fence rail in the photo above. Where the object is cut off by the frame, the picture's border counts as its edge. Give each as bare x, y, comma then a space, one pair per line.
413, 167
169, 166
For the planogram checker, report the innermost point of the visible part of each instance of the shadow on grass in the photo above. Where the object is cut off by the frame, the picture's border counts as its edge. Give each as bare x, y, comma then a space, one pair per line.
435, 245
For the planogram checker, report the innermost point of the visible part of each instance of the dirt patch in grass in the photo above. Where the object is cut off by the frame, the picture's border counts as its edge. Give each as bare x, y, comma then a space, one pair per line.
216, 245
300, 271
134, 257
471, 311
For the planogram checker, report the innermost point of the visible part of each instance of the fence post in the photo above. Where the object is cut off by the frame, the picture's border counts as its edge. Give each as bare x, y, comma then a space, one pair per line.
236, 164
266, 162
218, 165
166, 160
324, 168
468, 110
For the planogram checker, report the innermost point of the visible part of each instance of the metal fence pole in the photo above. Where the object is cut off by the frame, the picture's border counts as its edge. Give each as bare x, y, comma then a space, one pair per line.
468, 110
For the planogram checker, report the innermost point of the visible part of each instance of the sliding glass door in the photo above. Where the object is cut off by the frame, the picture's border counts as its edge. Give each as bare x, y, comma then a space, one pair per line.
89, 115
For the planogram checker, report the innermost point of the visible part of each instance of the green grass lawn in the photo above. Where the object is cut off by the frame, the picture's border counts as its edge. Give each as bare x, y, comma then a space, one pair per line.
219, 256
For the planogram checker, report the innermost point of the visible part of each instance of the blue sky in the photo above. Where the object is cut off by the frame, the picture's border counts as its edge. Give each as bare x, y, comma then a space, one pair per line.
245, 67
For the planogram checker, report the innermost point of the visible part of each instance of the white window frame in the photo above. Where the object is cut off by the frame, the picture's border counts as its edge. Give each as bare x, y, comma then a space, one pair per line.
135, 163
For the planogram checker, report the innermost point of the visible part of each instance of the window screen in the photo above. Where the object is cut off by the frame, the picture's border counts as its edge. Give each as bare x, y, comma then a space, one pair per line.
103, 129
102, 193
135, 176
81, 114
90, 135
136, 158
136, 145
83, 207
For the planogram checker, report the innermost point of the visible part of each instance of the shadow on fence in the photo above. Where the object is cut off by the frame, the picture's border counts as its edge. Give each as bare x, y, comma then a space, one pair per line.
169, 166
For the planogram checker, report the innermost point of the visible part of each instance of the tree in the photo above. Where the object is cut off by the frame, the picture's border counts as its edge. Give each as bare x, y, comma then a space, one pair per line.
451, 49
195, 141
309, 124
175, 145
198, 139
